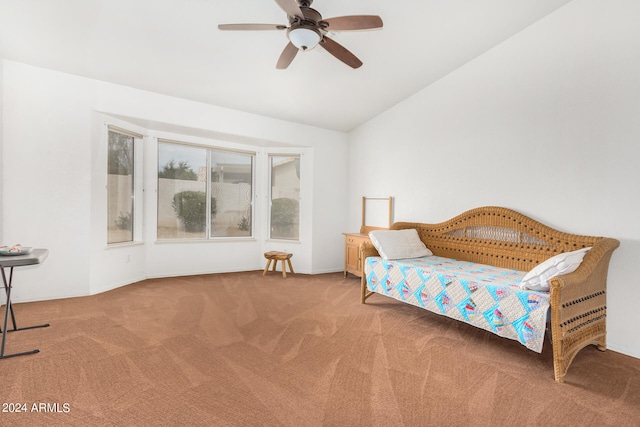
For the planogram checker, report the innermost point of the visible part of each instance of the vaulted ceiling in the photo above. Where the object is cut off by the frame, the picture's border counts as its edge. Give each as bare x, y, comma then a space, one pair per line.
175, 48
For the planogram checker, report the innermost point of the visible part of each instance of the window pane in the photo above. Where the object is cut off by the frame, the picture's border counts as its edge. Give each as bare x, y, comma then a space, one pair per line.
231, 193
182, 191
120, 188
285, 197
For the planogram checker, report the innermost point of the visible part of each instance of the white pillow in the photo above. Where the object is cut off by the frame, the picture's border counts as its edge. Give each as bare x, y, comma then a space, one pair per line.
398, 244
564, 263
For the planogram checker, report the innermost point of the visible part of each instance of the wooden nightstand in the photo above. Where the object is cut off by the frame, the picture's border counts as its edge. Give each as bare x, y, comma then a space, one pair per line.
352, 261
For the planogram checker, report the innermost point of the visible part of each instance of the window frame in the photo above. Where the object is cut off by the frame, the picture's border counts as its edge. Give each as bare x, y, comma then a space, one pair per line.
270, 156
208, 237
137, 185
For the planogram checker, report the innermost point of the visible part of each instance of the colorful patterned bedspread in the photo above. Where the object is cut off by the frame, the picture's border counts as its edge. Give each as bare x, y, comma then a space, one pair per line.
482, 295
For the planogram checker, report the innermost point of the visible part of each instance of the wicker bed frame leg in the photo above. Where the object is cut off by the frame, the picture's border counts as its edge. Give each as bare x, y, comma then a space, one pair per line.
559, 368
365, 250
567, 342
364, 293
565, 350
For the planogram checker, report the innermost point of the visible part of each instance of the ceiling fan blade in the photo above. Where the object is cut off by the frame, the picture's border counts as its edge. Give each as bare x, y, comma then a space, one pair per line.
251, 27
287, 56
354, 22
340, 52
291, 7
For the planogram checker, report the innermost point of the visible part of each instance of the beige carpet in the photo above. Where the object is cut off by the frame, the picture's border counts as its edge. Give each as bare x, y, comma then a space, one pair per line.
242, 349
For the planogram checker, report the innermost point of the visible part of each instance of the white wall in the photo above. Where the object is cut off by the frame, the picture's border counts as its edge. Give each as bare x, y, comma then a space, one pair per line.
55, 177
46, 177
547, 123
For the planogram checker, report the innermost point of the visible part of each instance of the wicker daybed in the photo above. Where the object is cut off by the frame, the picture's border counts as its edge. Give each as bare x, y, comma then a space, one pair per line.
504, 238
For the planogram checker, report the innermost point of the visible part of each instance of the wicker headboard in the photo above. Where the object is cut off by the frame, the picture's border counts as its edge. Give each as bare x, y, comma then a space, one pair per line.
497, 236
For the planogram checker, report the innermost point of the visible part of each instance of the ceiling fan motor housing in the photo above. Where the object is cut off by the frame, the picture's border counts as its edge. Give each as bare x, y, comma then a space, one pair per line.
308, 24
310, 16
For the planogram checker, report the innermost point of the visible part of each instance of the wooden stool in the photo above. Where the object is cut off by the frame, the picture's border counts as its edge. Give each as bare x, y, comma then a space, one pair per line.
275, 256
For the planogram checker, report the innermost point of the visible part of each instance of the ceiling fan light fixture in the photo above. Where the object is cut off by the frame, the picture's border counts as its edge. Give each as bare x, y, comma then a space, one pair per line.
304, 38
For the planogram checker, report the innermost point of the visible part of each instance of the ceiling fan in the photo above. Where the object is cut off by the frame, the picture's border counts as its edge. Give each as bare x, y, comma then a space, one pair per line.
307, 29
